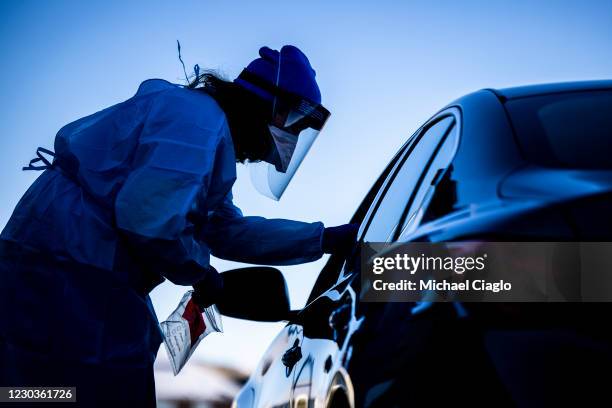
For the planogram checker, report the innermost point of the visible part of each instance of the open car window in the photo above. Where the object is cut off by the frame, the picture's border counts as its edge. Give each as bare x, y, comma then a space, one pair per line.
400, 190
333, 267
386, 203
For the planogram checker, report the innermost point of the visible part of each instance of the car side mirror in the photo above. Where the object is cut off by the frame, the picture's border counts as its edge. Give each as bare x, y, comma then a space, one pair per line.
257, 293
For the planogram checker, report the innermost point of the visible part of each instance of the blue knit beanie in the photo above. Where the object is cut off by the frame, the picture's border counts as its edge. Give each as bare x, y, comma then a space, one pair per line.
295, 74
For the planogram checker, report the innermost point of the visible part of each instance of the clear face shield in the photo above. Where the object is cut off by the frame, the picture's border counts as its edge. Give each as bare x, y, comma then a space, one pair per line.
296, 123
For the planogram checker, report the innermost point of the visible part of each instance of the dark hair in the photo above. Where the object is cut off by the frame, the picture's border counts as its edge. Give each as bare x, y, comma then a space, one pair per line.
247, 114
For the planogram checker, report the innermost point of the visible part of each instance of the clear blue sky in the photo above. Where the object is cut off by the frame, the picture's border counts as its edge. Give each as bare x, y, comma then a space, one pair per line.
383, 67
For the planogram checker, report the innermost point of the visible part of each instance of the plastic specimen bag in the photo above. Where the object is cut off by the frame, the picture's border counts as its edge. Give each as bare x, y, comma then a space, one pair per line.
186, 327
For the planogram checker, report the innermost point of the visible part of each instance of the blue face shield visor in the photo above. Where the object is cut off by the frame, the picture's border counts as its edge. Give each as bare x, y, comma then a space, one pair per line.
295, 125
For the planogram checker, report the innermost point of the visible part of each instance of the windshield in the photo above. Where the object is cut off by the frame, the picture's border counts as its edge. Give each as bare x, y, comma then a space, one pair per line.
571, 130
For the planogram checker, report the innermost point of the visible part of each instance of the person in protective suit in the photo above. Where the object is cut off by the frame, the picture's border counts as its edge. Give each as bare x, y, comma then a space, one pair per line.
139, 192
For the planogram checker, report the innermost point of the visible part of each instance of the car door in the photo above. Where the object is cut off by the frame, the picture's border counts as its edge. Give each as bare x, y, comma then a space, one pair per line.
394, 333
315, 357
330, 319
277, 382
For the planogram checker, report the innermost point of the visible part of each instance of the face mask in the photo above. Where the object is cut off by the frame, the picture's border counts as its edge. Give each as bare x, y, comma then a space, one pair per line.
285, 143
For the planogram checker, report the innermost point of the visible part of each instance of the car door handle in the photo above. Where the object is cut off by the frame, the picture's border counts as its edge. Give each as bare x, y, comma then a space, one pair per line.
292, 356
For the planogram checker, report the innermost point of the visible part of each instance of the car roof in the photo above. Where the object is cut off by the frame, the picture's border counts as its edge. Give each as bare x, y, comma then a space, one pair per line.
532, 90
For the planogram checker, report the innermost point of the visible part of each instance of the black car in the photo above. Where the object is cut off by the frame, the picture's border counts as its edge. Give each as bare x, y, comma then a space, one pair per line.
530, 163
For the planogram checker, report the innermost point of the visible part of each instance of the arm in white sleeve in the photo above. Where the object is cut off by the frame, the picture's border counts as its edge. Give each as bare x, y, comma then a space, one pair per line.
258, 240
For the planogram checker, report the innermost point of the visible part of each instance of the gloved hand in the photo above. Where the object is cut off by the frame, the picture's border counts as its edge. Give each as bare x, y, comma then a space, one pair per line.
208, 290
339, 240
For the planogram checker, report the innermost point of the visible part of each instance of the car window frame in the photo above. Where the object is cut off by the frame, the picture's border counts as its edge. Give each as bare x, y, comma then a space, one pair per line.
413, 141
455, 127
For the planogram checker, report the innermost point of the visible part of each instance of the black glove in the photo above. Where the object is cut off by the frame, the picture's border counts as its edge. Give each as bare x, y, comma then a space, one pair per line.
208, 290
340, 240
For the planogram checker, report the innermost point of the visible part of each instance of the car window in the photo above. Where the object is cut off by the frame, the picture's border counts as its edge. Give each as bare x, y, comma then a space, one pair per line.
331, 271
433, 177
400, 187
570, 130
